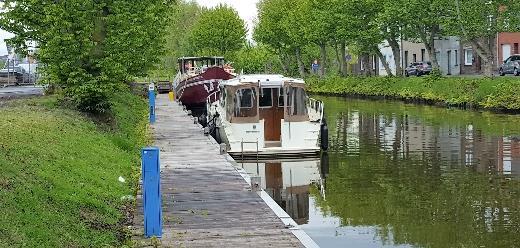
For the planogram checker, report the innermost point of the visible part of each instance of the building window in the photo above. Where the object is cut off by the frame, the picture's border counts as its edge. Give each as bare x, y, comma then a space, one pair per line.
414, 57
405, 58
515, 48
423, 51
456, 57
468, 56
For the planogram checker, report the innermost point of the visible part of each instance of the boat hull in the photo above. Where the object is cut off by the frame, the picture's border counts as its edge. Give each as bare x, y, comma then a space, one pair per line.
194, 90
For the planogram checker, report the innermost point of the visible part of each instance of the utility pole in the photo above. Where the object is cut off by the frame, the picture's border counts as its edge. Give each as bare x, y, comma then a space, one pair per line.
8, 72
29, 60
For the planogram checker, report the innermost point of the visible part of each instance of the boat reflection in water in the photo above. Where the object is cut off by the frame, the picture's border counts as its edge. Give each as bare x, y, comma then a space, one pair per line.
289, 182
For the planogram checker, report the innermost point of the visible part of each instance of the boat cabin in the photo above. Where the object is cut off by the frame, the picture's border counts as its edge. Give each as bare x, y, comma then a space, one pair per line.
198, 65
272, 100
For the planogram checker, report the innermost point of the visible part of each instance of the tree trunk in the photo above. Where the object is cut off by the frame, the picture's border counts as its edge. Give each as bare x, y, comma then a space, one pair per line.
429, 42
396, 51
284, 62
323, 62
484, 52
338, 61
383, 61
301, 66
367, 67
342, 64
430, 47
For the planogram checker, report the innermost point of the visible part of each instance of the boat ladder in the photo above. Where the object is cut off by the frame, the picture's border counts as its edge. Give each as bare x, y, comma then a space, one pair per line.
242, 150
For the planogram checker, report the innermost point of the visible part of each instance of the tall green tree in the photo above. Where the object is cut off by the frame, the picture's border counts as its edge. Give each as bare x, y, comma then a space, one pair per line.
218, 31
320, 27
256, 59
270, 31
427, 17
89, 47
392, 20
183, 17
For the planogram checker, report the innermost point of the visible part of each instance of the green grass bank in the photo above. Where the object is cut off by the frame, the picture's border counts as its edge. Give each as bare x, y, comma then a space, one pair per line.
59, 183
499, 93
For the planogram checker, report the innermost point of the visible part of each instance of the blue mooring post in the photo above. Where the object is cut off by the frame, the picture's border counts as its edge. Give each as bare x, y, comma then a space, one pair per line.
151, 192
151, 98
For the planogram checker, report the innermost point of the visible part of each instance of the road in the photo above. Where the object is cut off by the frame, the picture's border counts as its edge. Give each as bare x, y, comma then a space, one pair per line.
20, 91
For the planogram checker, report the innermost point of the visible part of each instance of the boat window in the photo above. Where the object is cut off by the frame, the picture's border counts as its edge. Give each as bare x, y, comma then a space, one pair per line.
281, 97
244, 103
245, 97
266, 97
296, 101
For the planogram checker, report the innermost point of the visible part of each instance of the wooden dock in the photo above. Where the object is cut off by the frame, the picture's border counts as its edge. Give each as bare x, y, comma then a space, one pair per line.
206, 201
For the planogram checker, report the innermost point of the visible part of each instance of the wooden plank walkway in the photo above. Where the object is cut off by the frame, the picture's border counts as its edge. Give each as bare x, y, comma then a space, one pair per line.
206, 203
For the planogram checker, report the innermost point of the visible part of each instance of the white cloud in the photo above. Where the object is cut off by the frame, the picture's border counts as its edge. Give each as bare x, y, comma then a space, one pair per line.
246, 10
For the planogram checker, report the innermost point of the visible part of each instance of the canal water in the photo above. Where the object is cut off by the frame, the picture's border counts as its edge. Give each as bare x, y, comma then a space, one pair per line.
402, 175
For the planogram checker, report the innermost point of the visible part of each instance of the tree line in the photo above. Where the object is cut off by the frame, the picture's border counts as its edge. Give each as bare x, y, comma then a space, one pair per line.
290, 34
290, 26
198, 31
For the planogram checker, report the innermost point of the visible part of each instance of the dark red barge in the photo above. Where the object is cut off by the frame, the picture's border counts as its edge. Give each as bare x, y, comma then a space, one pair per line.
198, 78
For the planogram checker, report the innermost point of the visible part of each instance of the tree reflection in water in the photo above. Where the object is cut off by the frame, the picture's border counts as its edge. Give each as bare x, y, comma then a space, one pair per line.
424, 176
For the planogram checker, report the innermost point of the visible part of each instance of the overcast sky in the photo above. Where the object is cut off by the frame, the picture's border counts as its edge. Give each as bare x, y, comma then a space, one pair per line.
246, 9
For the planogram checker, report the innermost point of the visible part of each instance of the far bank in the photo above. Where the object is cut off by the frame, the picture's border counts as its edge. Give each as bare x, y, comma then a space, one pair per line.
497, 94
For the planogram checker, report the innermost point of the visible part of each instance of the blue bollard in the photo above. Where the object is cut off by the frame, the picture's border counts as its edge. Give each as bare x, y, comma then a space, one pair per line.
151, 99
151, 192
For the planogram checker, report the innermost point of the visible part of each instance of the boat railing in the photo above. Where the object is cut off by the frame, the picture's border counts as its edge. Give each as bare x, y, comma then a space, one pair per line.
229, 70
317, 107
177, 79
213, 97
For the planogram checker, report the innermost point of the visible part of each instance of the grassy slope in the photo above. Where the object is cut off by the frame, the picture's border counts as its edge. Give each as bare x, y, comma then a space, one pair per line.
59, 182
498, 93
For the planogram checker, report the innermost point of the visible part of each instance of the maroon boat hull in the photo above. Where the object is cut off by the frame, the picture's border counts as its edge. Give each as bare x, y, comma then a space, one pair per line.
194, 90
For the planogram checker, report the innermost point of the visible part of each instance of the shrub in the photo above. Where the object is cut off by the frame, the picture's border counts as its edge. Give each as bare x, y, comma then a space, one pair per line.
493, 93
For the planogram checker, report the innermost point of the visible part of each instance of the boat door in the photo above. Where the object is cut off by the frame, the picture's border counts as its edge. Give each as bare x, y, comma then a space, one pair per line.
271, 111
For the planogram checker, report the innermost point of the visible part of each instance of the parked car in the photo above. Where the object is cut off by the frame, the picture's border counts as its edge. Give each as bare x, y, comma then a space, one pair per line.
510, 66
418, 69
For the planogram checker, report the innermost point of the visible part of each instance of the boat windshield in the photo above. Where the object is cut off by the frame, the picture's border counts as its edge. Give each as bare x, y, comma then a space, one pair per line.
296, 101
244, 103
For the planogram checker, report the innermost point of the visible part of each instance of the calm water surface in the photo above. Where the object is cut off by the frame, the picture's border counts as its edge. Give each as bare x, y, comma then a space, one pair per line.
401, 175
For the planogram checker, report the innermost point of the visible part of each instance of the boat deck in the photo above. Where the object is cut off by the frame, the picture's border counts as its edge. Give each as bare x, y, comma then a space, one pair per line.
276, 153
206, 200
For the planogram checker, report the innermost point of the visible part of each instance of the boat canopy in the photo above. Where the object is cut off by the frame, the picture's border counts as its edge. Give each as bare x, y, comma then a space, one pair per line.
187, 64
263, 80
242, 97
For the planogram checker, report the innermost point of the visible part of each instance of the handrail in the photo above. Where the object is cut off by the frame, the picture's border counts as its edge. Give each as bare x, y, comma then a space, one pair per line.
212, 96
318, 106
209, 98
242, 150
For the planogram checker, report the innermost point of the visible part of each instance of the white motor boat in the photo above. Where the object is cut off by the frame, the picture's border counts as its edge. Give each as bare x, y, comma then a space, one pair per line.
266, 116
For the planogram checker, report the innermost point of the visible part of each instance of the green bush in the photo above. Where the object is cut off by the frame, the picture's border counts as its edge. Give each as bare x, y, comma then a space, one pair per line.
491, 93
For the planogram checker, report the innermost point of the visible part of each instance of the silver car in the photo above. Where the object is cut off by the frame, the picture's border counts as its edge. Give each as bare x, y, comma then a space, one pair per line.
418, 69
510, 66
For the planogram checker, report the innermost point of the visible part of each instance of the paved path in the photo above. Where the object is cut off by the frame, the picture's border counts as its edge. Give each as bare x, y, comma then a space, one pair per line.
206, 202
20, 91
